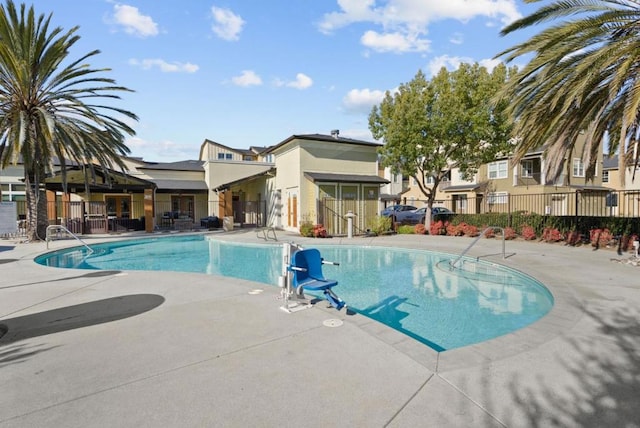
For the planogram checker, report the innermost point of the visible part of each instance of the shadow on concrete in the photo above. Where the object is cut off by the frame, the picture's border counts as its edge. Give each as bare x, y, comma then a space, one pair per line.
91, 274
17, 353
76, 316
604, 380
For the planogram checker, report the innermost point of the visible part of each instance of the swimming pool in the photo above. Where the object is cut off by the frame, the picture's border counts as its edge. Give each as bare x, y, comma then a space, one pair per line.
412, 291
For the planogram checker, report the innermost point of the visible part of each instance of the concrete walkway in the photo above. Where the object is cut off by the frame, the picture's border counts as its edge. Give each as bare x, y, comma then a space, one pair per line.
157, 349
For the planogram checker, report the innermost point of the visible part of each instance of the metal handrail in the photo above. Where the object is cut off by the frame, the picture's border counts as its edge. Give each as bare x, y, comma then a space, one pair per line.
59, 228
453, 264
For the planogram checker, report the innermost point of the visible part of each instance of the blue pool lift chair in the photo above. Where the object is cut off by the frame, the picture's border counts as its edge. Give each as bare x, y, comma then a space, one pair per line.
306, 267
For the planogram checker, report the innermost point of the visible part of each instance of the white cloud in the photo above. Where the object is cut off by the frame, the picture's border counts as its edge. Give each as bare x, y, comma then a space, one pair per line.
227, 25
489, 64
165, 67
362, 100
302, 82
403, 22
446, 61
133, 21
394, 42
456, 38
453, 63
247, 78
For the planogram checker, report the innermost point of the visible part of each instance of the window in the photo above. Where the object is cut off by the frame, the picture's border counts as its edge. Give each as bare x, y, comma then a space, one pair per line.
527, 168
612, 200
497, 198
498, 169
395, 178
605, 176
228, 156
220, 156
429, 179
578, 168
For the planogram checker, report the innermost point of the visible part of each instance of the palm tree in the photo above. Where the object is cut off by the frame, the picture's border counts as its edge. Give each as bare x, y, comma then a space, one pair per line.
48, 110
584, 77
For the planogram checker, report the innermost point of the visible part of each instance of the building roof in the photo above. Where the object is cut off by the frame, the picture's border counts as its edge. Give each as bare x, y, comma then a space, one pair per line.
325, 138
344, 178
185, 165
225, 186
462, 188
168, 184
590, 188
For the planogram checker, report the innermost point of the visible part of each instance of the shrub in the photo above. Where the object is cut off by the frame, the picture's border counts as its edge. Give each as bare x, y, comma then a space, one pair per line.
306, 229
319, 231
573, 238
470, 230
420, 229
380, 224
489, 233
405, 229
626, 242
510, 233
438, 228
600, 237
550, 234
455, 229
528, 233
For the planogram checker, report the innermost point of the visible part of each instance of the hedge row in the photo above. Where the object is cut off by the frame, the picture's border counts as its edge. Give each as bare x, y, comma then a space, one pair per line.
618, 226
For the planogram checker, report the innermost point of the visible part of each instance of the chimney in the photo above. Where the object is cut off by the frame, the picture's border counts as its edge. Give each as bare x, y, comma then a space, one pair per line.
335, 133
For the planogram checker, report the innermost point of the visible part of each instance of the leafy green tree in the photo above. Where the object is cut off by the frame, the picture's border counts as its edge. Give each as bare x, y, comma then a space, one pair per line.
53, 112
430, 127
584, 77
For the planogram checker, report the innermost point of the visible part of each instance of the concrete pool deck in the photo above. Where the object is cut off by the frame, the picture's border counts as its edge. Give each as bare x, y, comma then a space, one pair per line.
149, 349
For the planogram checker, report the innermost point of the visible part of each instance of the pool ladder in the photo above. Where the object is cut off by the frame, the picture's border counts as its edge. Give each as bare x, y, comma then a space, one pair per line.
56, 229
477, 238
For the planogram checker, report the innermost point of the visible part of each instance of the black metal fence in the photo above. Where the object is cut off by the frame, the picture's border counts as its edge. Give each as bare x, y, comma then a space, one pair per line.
578, 203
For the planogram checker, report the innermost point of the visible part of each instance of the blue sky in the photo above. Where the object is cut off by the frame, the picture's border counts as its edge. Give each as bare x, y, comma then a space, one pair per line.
252, 73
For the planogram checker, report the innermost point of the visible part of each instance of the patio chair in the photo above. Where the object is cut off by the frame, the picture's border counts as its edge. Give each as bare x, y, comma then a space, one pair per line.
306, 266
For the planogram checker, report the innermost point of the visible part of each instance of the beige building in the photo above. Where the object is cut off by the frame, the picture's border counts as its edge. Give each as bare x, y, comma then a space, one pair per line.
501, 186
321, 178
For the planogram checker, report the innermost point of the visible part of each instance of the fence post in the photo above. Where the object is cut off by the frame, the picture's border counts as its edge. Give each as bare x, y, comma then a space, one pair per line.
577, 219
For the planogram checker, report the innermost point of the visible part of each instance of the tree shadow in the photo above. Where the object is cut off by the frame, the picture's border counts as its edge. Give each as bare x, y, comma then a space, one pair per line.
604, 386
17, 353
71, 317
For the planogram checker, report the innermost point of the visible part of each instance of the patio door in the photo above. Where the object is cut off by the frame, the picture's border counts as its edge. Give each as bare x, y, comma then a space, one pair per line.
118, 206
183, 205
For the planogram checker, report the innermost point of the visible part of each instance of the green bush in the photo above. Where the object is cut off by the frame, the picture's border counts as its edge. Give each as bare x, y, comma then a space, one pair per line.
379, 224
306, 229
406, 229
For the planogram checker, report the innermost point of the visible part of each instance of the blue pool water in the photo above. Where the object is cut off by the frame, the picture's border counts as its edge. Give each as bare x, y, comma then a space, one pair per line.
412, 291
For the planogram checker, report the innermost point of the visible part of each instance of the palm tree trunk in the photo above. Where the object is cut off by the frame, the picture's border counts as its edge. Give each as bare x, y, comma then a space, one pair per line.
37, 215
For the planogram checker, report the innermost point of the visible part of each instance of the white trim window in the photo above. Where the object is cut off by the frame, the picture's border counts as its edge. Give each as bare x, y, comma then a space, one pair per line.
495, 198
498, 169
578, 167
605, 176
527, 168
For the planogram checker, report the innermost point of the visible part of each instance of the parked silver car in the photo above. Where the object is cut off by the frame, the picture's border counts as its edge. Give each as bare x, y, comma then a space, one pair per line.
394, 211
